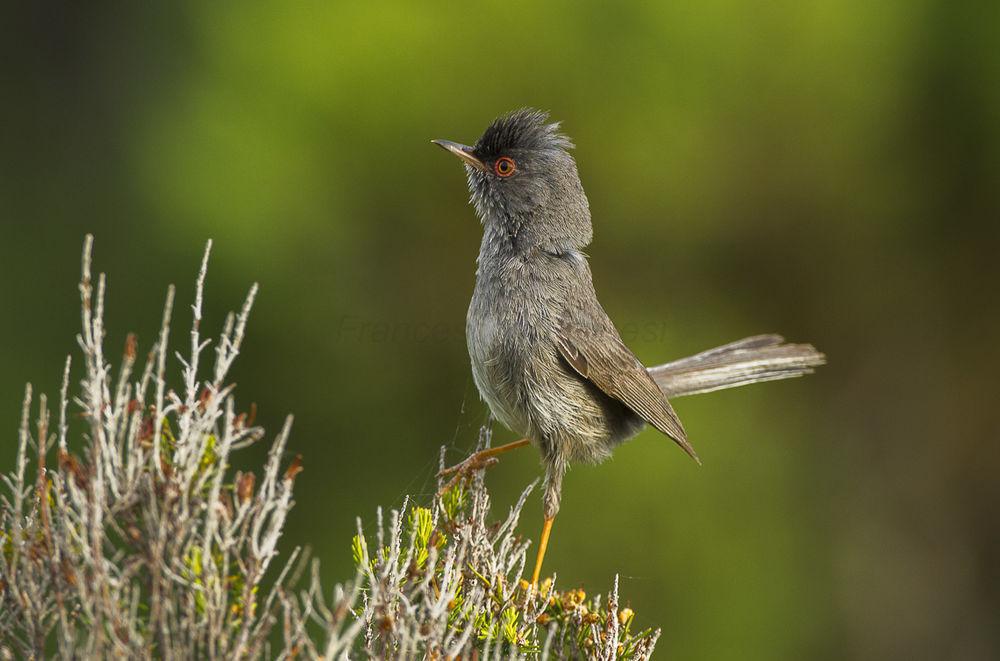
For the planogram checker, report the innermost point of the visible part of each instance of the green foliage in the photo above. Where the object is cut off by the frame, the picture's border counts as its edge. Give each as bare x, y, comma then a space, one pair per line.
577, 622
421, 526
358, 551
454, 500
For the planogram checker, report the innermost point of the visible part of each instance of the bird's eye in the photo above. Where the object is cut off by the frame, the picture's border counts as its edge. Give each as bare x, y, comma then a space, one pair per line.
505, 166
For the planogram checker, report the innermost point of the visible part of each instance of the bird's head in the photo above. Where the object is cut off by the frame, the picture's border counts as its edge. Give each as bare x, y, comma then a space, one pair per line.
523, 181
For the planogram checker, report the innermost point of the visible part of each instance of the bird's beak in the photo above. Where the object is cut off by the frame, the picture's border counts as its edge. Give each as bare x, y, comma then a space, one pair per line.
464, 152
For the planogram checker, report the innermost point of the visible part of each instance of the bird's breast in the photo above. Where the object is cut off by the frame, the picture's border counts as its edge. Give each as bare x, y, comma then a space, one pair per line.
509, 330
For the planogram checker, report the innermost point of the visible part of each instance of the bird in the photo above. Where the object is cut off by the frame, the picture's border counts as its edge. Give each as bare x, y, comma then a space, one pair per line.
546, 358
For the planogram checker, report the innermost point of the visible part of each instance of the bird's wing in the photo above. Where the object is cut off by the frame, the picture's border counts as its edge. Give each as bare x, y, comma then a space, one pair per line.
604, 360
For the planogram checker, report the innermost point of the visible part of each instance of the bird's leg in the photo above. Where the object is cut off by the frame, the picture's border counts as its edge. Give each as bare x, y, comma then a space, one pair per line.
543, 544
477, 461
556, 468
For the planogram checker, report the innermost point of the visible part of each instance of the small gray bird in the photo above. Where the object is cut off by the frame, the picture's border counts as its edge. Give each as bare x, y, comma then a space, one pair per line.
545, 356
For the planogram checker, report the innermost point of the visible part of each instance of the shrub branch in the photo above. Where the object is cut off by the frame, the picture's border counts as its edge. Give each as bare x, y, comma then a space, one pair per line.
140, 541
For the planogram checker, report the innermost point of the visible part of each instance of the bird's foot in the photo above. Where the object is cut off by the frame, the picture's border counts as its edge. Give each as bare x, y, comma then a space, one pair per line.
477, 461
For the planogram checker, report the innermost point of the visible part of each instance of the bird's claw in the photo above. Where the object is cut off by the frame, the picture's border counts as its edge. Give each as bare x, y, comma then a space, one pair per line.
475, 462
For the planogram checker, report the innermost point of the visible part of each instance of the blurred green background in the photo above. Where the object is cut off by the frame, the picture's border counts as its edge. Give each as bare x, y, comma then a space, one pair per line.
825, 170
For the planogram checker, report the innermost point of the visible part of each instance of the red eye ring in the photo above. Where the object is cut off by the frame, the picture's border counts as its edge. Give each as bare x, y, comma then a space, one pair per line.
505, 166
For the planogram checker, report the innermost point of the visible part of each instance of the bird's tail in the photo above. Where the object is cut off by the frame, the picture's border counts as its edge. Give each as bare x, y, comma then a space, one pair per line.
750, 360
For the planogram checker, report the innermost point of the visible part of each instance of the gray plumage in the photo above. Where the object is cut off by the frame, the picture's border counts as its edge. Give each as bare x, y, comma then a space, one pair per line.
545, 356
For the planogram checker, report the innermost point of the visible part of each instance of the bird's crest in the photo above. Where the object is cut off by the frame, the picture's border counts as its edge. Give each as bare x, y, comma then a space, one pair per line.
526, 128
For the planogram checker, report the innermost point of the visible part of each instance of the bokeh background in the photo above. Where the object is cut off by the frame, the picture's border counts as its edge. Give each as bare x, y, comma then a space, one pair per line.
829, 171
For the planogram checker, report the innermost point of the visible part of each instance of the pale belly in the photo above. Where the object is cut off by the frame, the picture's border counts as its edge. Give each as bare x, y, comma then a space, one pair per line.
499, 362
